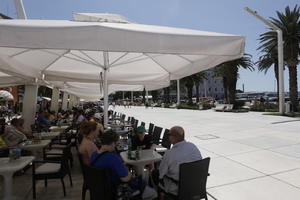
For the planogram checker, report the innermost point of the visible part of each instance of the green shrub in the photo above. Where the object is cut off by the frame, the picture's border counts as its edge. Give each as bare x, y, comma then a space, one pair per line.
238, 104
262, 107
185, 106
207, 106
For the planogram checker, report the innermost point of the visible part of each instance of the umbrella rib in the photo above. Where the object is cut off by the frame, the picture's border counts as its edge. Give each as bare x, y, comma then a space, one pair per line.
79, 57
15, 74
185, 58
131, 60
56, 59
157, 63
19, 53
91, 58
119, 58
72, 58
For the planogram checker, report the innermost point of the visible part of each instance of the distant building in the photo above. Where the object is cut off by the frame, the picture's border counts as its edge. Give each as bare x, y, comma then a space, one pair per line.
212, 87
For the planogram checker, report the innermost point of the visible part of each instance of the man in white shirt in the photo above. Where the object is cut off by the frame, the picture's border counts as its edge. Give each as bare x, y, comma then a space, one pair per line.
181, 152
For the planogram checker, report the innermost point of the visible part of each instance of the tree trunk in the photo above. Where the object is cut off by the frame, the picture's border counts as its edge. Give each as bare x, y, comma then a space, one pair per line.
231, 83
144, 96
154, 94
225, 88
197, 92
167, 95
190, 95
293, 87
277, 79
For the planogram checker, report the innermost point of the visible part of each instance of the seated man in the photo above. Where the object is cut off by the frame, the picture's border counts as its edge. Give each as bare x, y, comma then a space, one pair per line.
12, 136
42, 121
181, 152
106, 158
141, 139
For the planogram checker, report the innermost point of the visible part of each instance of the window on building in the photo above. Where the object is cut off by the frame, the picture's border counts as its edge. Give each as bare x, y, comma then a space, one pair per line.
209, 89
216, 89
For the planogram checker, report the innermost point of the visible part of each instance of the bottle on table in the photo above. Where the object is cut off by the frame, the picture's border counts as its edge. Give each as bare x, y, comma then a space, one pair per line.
129, 153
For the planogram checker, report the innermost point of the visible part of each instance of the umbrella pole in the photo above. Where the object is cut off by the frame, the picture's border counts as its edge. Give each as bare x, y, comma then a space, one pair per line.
105, 89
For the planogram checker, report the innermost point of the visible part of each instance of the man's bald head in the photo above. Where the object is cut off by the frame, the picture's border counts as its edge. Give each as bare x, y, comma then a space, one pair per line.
177, 132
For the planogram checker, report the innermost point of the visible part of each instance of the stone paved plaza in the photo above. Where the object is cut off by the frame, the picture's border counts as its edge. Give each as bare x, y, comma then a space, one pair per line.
254, 156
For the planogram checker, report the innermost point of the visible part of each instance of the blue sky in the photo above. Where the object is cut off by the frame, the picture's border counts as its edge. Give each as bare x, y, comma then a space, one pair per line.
225, 16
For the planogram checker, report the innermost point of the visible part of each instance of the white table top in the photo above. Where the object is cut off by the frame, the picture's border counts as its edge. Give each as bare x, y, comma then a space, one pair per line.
50, 134
15, 165
52, 128
32, 146
147, 156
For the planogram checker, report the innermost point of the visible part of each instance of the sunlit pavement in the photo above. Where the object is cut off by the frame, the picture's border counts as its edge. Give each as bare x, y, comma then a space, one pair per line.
254, 156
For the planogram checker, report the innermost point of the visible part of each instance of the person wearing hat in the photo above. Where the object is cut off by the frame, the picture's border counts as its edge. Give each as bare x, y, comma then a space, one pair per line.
141, 139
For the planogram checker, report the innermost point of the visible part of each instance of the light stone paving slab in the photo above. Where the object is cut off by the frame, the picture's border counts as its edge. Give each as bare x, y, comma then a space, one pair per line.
293, 150
226, 148
291, 177
267, 162
266, 142
241, 173
265, 188
223, 171
206, 153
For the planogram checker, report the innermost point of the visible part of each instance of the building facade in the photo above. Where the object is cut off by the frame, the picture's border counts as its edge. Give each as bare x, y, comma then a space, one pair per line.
212, 87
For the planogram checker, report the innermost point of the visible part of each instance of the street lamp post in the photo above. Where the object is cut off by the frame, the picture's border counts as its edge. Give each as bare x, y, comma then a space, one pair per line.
280, 56
20, 9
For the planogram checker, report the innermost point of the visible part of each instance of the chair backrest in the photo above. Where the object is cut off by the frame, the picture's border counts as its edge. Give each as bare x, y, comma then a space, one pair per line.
81, 164
98, 183
135, 123
192, 180
150, 129
2, 125
156, 134
132, 120
123, 117
165, 140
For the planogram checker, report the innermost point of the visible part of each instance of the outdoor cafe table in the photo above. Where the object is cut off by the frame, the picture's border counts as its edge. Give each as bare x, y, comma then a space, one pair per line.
147, 156
58, 128
36, 148
8, 168
49, 135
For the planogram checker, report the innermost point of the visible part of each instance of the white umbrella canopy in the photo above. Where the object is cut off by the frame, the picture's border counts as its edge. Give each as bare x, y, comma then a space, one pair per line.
6, 96
94, 91
7, 79
126, 53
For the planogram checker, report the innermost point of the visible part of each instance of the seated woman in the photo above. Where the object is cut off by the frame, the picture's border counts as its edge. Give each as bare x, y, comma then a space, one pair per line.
88, 131
20, 127
141, 139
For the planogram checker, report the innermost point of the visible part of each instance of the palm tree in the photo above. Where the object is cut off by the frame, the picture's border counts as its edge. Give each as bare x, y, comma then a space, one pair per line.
229, 71
289, 23
220, 71
189, 84
266, 61
167, 95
